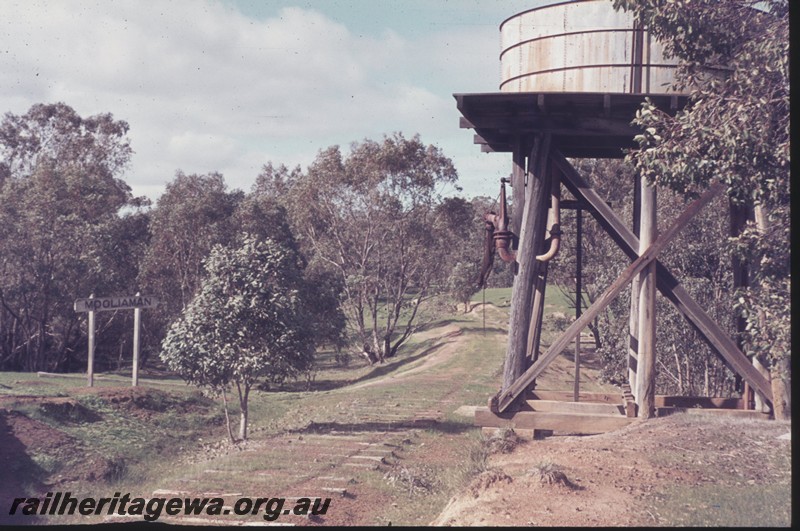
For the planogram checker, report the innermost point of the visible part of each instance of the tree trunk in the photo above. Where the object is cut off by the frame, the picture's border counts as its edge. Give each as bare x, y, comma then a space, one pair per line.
689, 381
593, 328
243, 396
227, 417
679, 371
387, 347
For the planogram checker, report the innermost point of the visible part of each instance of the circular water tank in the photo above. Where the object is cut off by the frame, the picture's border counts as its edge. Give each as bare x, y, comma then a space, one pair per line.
581, 46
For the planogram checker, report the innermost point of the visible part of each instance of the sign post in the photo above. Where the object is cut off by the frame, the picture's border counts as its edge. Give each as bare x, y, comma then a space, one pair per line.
137, 319
90, 366
136, 303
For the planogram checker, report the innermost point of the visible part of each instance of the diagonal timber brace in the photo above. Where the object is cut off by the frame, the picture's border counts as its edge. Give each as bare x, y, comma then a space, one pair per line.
507, 396
666, 282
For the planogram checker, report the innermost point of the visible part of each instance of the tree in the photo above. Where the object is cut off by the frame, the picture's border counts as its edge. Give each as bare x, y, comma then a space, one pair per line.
462, 237
56, 135
262, 214
247, 323
734, 129
60, 198
191, 216
370, 218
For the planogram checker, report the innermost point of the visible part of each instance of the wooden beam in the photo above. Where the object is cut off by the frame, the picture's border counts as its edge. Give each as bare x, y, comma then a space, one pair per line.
517, 187
666, 283
478, 139
566, 396
632, 362
588, 408
574, 204
740, 413
699, 401
738, 219
562, 422
509, 393
578, 300
537, 313
530, 241
646, 346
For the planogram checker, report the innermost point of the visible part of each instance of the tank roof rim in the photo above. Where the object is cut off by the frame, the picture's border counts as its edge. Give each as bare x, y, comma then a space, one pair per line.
544, 7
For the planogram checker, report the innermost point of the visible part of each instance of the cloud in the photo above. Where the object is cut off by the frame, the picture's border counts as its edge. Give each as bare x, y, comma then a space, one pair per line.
205, 88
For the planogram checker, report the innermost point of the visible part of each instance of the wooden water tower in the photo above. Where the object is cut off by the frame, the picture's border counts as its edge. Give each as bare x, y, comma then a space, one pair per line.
573, 76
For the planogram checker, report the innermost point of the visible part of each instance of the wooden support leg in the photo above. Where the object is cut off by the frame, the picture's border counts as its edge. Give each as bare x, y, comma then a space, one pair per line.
633, 323
576, 390
531, 237
507, 396
667, 284
537, 313
646, 371
737, 220
518, 188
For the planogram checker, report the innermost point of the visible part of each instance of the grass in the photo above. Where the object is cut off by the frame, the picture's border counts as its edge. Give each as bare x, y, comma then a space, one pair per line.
723, 506
173, 420
143, 439
554, 300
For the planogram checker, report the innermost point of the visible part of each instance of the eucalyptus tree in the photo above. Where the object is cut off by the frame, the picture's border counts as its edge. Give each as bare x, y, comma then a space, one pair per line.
189, 218
247, 323
60, 198
370, 218
461, 227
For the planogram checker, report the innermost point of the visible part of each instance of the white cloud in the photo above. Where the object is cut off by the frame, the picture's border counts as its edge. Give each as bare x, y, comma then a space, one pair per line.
205, 88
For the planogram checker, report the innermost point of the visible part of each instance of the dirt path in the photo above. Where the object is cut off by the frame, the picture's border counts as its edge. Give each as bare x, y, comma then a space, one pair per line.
448, 341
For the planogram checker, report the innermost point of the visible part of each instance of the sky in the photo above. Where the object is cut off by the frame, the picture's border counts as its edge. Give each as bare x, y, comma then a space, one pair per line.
229, 85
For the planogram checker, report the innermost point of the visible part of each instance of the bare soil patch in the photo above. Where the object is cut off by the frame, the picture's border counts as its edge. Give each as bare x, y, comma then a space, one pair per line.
620, 478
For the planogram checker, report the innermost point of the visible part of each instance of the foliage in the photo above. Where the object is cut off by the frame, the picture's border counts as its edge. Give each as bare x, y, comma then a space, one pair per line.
698, 257
246, 323
371, 219
735, 129
60, 200
55, 135
192, 216
461, 227
262, 213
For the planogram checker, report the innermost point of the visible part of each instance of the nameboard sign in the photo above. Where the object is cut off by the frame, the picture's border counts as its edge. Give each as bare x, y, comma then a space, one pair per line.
115, 303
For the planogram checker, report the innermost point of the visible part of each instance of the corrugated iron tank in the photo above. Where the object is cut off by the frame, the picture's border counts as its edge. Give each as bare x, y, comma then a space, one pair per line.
581, 46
